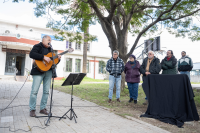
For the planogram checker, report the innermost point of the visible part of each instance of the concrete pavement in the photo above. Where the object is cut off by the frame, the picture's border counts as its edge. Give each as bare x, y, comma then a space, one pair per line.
91, 117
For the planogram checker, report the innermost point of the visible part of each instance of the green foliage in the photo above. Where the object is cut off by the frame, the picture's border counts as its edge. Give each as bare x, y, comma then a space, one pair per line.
146, 16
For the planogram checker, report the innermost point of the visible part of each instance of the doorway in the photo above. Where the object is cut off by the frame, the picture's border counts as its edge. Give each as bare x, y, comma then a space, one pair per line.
20, 61
15, 60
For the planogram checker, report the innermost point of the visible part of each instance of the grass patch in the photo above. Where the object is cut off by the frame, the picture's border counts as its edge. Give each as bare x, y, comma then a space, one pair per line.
86, 79
195, 82
98, 93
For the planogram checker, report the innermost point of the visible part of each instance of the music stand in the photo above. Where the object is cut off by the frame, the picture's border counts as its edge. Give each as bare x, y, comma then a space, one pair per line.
72, 79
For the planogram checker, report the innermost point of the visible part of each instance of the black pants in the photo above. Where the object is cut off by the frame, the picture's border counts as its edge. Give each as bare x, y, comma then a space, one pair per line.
144, 79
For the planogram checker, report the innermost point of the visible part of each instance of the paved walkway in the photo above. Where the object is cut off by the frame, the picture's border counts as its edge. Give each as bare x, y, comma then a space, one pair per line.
91, 118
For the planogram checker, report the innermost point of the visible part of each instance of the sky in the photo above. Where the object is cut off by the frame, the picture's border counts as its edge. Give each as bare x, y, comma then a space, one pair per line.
23, 12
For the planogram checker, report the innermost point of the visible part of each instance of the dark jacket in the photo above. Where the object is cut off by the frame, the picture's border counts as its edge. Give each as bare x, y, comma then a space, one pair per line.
132, 74
154, 67
115, 66
38, 51
169, 67
185, 64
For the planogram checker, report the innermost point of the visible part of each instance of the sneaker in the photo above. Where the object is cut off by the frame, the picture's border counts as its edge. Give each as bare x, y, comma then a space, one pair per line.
131, 99
135, 101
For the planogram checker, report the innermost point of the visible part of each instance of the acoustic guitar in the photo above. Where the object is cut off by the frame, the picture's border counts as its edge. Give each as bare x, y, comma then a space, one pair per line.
44, 66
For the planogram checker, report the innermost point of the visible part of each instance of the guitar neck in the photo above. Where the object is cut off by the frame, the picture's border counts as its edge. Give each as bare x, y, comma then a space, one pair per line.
63, 53
60, 54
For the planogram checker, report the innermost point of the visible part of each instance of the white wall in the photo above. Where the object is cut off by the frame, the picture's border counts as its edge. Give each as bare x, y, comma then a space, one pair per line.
25, 32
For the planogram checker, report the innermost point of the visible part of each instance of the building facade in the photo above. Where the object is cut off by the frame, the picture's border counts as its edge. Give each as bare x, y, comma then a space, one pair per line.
17, 40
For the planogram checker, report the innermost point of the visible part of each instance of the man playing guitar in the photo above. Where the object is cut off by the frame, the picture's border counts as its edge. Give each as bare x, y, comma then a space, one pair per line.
37, 53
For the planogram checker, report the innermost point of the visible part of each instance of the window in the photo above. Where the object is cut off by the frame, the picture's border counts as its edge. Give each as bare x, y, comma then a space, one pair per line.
88, 47
102, 67
78, 65
68, 65
68, 44
88, 63
78, 46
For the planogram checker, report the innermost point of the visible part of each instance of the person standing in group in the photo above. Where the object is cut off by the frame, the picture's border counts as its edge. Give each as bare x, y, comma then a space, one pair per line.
168, 64
132, 71
115, 66
150, 65
185, 64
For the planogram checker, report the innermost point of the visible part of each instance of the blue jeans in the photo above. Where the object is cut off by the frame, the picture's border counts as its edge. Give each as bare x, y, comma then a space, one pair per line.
112, 81
133, 90
37, 80
186, 72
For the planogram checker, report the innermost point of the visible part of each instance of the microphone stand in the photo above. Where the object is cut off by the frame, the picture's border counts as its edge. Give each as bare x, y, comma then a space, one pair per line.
53, 73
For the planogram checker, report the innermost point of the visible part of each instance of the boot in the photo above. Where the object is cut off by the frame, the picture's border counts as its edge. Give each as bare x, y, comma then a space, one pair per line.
135, 101
131, 99
118, 100
109, 101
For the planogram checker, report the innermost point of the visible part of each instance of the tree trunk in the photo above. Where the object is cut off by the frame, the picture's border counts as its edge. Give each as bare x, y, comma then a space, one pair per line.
117, 41
84, 69
122, 41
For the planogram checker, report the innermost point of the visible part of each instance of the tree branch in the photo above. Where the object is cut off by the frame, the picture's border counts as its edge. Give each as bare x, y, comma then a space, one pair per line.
84, 1
151, 6
121, 2
150, 25
113, 7
95, 7
174, 19
131, 13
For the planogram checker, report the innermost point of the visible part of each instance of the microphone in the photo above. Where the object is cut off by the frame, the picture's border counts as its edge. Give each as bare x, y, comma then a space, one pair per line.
51, 47
50, 44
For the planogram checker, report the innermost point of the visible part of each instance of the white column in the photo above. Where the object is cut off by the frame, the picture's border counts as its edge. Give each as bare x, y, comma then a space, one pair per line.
28, 62
60, 67
73, 64
2, 61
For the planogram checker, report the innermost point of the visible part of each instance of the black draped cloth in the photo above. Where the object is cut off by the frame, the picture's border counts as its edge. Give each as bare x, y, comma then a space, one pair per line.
170, 99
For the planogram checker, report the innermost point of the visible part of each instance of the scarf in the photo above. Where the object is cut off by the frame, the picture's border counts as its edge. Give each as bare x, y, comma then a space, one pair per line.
168, 58
148, 64
133, 64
